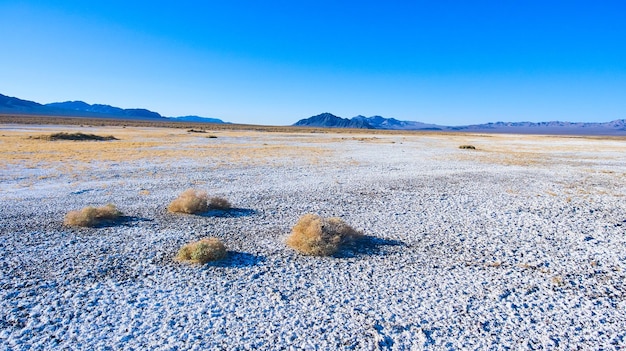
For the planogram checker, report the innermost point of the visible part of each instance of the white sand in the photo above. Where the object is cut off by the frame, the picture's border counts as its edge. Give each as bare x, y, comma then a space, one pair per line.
520, 244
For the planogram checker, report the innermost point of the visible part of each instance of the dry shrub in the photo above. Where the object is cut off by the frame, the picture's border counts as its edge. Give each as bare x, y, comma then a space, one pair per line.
317, 236
195, 201
557, 280
91, 216
219, 203
190, 201
202, 251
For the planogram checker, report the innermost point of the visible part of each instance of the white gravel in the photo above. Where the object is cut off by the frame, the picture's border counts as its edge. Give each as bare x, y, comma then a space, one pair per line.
465, 250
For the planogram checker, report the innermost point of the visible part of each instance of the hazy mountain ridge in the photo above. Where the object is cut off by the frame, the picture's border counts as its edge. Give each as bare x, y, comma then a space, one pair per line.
106, 109
198, 119
616, 127
15, 105
328, 120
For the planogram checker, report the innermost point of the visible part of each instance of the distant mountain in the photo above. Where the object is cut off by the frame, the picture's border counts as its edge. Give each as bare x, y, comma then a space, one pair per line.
379, 122
105, 110
328, 120
617, 127
14, 105
8, 103
73, 109
375, 122
197, 119
82, 109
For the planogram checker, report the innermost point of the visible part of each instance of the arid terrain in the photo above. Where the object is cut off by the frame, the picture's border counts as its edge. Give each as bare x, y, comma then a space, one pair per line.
519, 243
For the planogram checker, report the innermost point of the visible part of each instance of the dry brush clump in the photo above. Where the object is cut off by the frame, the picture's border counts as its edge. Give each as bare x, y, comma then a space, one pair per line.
317, 236
190, 201
91, 216
202, 251
76, 136
219, 203
467, 147
193, 201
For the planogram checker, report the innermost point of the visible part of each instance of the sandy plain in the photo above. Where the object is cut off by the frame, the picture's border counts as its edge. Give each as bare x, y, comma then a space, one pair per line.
520, 244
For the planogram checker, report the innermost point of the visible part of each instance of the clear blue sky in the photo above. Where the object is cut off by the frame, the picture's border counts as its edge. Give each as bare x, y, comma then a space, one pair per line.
275, 62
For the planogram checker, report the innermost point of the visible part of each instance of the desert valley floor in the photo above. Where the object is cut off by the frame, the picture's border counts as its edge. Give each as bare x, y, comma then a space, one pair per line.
519, 244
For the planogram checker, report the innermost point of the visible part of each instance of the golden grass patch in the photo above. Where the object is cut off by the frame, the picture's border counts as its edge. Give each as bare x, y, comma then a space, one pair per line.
91, 216
202, 251
317, 236
157, 145
192, 201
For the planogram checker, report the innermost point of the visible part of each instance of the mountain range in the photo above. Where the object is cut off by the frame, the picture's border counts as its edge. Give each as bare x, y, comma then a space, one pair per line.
12, 105
328, 120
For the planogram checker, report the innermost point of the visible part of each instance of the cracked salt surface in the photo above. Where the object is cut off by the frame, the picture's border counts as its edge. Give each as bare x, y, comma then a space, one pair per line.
461, 254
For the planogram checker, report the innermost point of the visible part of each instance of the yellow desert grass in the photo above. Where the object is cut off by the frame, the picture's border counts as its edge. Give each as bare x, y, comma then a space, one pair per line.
202, 251
190, 201
91, 216
23, 147
194, 201
317, 236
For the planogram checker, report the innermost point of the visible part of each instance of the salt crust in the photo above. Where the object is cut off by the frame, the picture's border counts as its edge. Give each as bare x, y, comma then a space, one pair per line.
462, 254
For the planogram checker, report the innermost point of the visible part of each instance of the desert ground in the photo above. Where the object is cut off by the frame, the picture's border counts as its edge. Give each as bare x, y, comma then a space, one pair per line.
518, 244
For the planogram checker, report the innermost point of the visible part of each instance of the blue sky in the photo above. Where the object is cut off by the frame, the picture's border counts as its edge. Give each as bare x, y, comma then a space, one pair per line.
275, 62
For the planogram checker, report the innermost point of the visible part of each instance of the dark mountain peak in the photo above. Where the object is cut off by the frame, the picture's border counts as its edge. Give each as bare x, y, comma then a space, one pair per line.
326, 116
331, 121
9, 102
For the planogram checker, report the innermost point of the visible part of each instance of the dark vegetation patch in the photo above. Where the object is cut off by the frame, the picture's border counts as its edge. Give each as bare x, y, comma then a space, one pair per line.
75, 136
467, 147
